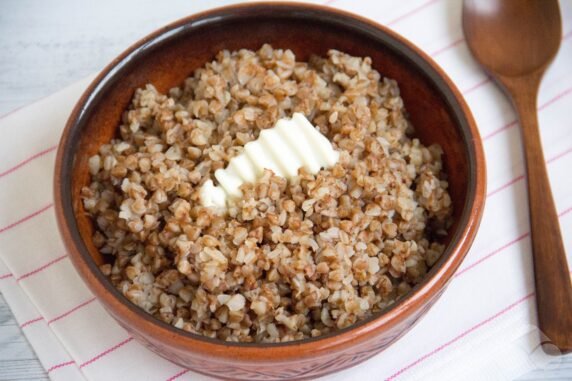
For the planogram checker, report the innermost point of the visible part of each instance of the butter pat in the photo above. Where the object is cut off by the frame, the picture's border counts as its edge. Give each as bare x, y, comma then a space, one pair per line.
212, 196
285, 148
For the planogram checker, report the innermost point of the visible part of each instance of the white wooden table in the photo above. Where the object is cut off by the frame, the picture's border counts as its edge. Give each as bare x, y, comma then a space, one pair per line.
47, 45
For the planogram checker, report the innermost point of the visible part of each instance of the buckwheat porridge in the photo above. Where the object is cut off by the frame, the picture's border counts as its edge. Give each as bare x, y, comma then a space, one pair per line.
291, 258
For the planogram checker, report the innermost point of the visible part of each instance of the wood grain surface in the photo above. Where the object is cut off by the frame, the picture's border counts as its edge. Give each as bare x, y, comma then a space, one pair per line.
47, 45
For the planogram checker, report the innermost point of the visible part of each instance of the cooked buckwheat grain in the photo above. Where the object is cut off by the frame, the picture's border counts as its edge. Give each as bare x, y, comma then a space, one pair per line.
289, 260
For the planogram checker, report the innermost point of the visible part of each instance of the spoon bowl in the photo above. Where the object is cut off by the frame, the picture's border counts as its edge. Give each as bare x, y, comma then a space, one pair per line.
513, 37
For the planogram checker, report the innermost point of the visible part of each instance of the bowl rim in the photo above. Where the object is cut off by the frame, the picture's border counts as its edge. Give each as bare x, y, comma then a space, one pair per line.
435, 280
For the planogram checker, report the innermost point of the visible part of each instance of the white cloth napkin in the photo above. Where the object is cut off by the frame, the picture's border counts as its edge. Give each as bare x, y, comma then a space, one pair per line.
482, 328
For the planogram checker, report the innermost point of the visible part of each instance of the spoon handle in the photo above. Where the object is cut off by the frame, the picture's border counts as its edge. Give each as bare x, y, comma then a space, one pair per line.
552, 276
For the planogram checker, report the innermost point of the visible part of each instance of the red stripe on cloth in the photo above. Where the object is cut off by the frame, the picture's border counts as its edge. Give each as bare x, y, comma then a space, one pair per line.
106, 352
181, 373
565, 212
554, 99
6, 276
41, 268
504, 186
58, 366
447, 47
411, 12
491, 254
559, 156
94, 359
71, 311
521, 177
12, 112
459, 337
24, 106
32, 321
476, 86
26, 161
549, 102
502, 248
499, 130
24, 219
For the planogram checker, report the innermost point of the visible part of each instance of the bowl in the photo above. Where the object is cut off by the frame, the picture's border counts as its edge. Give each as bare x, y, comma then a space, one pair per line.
165, 58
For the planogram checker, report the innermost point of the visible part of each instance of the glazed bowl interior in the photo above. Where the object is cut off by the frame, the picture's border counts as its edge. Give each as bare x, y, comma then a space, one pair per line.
169, 56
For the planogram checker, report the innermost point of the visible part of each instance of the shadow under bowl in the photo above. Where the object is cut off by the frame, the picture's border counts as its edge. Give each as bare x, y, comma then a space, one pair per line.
168, 56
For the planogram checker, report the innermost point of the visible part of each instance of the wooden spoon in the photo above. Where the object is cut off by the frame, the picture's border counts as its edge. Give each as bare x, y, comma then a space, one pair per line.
515, 41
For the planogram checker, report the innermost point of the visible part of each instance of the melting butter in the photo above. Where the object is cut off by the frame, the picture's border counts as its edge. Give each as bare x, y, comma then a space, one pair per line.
285, 148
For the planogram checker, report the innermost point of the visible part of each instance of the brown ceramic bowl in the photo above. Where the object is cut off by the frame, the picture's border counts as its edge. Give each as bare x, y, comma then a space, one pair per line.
166, 58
